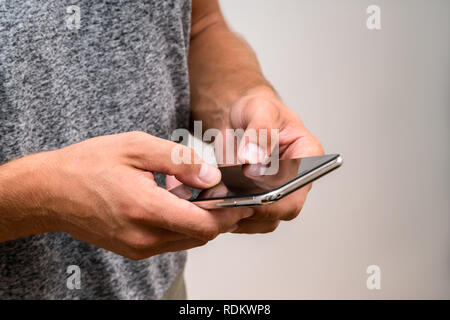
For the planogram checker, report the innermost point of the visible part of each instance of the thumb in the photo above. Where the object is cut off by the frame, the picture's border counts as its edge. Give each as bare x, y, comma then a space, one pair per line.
194, 172
159, 155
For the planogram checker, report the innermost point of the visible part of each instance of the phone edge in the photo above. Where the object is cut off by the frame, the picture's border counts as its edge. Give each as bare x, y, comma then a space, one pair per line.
276, 194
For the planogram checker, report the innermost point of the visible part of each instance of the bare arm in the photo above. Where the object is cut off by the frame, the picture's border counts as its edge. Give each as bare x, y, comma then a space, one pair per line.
229, 90
21, 211
102, 191
223, 67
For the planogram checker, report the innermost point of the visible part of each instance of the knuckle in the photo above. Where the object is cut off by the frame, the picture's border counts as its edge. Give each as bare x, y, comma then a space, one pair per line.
292, 213
209, 232
132, 213
267, 213
139, 242
193, 159
185, 159
318, 148
188, 154
273, 226
246, 213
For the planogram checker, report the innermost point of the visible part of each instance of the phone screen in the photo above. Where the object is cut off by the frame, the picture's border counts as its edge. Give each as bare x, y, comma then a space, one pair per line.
252, 180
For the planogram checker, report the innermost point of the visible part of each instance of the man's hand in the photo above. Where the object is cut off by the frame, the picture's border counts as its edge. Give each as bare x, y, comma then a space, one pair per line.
102, 191
261, 109
229, 90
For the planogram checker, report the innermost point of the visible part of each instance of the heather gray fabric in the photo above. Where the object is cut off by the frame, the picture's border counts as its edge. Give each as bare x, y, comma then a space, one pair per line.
124, 69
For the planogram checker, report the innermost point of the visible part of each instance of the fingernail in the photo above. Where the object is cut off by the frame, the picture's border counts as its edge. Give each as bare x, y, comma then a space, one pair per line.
254, 153
233, 228
209, 174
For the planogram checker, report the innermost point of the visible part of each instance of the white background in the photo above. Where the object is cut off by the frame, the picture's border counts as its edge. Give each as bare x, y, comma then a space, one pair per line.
381, 99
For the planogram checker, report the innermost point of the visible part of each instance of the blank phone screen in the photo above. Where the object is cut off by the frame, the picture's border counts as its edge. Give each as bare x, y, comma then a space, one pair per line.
252, 180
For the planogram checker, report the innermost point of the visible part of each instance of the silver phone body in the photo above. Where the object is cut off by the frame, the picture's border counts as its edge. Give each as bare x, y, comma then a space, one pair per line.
273, 195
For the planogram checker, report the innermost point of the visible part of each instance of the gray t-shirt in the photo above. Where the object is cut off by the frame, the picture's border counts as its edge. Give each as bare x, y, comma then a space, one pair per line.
121, 66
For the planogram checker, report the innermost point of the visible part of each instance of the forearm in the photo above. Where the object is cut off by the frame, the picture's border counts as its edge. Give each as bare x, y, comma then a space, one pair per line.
21, 196
222, 66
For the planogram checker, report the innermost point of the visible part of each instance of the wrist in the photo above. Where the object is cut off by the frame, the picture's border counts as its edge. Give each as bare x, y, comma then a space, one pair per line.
23, 191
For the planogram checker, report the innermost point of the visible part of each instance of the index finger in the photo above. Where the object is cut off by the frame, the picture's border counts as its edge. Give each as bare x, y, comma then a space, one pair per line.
172, 213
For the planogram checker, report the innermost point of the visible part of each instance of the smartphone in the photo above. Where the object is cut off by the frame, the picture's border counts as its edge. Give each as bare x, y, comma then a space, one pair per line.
258, 184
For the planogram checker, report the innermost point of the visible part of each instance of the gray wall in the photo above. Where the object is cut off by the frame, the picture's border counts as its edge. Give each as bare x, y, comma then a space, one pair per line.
381, 98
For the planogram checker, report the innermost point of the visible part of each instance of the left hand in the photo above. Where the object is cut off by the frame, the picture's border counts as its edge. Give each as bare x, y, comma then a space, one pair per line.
260, 109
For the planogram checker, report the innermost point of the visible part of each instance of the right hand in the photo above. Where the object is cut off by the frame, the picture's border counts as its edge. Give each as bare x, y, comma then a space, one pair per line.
102, 191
